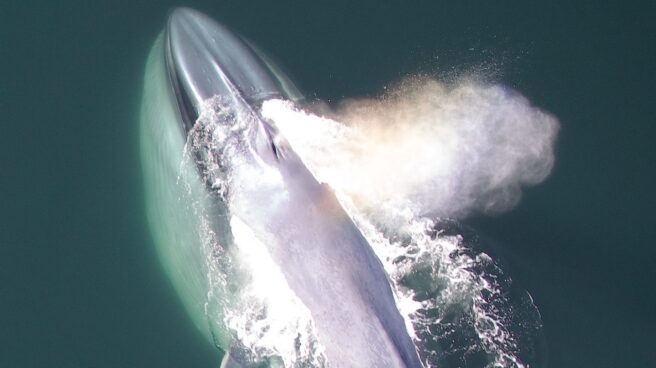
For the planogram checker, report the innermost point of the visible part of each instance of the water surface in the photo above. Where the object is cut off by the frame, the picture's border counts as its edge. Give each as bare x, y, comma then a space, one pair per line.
79, 283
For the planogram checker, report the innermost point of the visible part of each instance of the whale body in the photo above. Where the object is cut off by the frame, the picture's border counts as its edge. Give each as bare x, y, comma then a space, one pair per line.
325, 260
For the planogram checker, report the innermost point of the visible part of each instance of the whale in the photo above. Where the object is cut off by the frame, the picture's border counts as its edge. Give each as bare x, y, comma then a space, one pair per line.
257, 182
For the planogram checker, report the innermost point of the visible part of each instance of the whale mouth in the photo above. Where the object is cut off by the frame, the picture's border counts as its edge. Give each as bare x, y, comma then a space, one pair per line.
205, 59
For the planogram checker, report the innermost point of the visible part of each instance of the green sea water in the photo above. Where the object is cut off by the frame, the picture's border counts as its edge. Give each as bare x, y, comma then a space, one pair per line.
80, 285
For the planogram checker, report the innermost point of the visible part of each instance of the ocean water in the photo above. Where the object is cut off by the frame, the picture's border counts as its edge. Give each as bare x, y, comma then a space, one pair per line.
80, 285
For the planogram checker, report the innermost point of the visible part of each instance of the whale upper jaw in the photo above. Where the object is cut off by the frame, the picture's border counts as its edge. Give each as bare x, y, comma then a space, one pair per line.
206, 59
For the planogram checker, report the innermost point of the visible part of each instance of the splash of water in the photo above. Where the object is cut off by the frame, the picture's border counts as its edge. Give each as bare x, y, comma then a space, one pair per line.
396, 164
443, 150
429, 150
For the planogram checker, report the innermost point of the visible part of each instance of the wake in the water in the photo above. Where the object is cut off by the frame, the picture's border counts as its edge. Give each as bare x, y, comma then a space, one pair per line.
397, 165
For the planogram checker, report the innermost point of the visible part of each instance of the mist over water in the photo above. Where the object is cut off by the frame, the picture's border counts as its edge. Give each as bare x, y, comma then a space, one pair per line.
447, 150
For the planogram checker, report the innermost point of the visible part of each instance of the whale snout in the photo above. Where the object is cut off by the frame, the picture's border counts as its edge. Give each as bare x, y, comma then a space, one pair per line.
205, 59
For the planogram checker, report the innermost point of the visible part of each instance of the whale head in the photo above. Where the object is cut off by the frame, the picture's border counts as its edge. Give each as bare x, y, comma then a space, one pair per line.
324, 261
